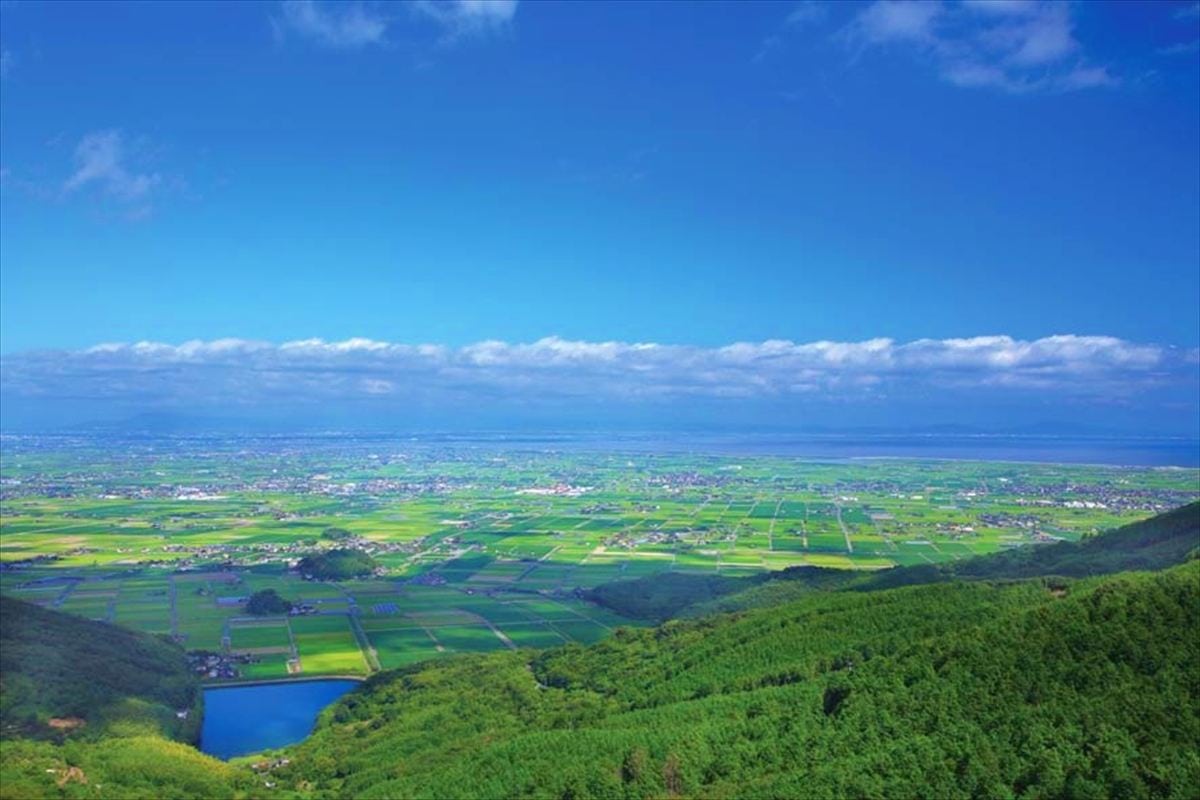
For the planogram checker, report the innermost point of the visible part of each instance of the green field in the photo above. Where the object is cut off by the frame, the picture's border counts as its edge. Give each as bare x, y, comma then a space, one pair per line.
487, 550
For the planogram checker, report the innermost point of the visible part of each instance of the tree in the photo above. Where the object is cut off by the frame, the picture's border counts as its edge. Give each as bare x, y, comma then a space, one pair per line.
338, 564
267, 602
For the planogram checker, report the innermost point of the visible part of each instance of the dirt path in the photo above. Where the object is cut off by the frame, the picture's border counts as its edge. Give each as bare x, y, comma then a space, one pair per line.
845, 532
499, 634
64, 594
879, 529
365, 644
771, 529
437, 645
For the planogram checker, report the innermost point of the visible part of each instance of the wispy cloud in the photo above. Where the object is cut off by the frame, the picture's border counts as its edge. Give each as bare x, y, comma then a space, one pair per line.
461, 19
102, 163
1014, 46
805, 12
1011, 45
889, 21
802, 15
1189, 15
7, 60
338, 25
357, 370
1180, 48
355, 25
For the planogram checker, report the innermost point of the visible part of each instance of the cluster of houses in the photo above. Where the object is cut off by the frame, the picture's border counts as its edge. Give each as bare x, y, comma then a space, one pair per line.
23, 563
427, 579
214, 666
1024, 521
630, 540
675, 481
955, 529
198, 557
266, 765
557, 490
234, 601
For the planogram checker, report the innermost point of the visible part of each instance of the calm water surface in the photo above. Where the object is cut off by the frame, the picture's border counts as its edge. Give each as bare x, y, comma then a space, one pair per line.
246, 719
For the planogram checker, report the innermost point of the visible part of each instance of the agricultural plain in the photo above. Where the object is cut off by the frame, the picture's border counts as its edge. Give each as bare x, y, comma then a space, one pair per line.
482, 546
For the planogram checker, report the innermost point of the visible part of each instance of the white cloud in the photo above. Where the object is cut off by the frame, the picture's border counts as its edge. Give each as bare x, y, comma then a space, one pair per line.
1085, 78
1188, 12
376, 386
464, 18
979, 75
1180, 48
1001, 7
102, 161
1011, 45
897, 21
339, 25
1044, 38
612, 371
353, 25
805, 12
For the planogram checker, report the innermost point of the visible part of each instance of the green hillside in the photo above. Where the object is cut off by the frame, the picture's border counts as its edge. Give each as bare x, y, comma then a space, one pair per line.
1154, 543
1150, 544
1023, 682
89, 709
1012, 688
89, 677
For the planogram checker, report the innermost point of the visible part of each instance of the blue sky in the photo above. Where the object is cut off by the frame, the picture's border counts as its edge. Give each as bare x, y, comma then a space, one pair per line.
689, 175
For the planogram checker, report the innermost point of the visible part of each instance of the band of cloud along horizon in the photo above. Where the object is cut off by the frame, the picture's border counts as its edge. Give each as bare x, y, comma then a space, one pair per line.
244, 370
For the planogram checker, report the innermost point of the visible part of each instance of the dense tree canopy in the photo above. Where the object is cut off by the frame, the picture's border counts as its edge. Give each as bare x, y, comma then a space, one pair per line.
1153, 543
89, 709
1025, 685
267, 602
946, 690
56, 666
337, 564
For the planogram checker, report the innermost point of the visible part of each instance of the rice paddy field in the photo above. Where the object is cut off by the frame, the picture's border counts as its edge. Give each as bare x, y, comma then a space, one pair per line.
483, 547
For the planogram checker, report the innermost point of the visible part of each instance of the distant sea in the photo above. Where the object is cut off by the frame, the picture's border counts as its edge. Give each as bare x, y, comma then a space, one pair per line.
1114, 451
1127, 451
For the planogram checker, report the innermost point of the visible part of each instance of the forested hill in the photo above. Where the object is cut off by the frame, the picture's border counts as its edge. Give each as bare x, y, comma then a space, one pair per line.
66, 676
1050, 686
89, 709
1014, 689
1155, 543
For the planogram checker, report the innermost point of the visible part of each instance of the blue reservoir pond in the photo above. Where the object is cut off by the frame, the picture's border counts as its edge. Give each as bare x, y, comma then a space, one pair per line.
239, 720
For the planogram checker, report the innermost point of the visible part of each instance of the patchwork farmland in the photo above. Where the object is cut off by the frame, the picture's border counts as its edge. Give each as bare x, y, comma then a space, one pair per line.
482, 548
